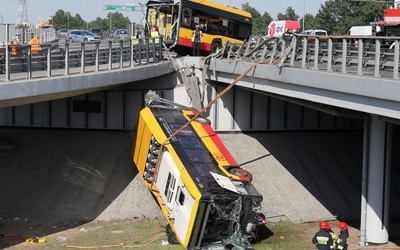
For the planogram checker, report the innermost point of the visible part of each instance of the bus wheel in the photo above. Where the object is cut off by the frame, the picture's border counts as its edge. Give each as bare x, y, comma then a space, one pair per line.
168, 229
215, 46
171, 235
229, 247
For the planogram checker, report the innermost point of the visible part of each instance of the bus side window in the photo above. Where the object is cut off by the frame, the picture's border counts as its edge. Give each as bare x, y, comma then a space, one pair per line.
214, 24
180, 197
187, 17
202, 25
231, 29
223, 28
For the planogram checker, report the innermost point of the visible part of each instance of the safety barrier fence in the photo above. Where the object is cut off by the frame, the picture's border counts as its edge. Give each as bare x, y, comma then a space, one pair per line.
373, 56
87, 56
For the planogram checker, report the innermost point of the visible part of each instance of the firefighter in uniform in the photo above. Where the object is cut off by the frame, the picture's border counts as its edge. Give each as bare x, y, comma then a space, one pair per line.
288, 36
343, 241
323, 239
332, 233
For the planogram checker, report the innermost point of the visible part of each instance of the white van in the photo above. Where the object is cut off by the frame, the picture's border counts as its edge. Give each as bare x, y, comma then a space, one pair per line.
315, 33
363, 30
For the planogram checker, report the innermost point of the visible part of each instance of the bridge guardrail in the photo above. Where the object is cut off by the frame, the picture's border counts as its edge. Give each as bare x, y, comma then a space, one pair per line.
369, 55
84, 54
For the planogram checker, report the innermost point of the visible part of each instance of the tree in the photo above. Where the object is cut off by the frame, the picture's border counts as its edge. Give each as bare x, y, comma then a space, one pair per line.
60, 19
117, 21
290, 14
259, 22
337, 16
309, 22
64, 20
77, 22
99, 22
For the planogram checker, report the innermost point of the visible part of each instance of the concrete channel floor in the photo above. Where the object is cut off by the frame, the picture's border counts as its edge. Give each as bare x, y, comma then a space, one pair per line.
67, 177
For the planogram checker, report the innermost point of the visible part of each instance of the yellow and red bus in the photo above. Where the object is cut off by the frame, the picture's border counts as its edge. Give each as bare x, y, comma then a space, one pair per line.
206, 197
176, 21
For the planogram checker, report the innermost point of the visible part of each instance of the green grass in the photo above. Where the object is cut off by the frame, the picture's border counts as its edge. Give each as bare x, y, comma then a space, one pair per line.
149, 235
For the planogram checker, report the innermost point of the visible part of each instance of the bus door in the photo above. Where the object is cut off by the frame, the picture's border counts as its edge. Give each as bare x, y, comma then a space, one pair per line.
167, 180
184, 205
166, 18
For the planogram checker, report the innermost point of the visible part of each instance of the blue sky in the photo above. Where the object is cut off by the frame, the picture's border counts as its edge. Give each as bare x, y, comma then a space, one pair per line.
39, 10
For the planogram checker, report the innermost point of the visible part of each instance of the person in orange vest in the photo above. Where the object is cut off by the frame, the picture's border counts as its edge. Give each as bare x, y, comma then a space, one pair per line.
35, 45
14, 47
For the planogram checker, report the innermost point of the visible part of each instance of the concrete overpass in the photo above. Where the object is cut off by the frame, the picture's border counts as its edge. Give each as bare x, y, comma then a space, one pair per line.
310, 90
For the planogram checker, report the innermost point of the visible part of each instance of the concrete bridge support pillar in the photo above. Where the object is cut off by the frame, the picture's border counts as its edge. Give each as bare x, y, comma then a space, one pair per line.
378, 180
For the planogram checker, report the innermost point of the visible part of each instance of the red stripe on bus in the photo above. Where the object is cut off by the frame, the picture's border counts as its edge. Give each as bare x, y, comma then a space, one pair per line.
220, 145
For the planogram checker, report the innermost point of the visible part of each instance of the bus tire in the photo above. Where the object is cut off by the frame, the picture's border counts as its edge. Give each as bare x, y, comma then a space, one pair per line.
229, 247
215, 46
171, 235
172, 239
168, 229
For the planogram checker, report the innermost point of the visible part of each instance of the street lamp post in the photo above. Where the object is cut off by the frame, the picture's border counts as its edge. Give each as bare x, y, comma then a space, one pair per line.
304, 12
87, 15
68, 17
110, 20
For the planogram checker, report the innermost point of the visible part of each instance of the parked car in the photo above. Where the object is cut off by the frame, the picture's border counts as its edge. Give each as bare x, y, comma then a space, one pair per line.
96, 31
81, 36
62, 32
120, 34
315, 33
91, 37
107, 34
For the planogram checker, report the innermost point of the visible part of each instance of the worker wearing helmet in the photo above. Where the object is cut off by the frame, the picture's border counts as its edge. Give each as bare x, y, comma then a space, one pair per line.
323, 239
343, 241
14, 47
332, 233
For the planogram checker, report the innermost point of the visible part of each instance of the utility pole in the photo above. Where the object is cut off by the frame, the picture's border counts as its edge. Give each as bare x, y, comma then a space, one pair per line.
304, 12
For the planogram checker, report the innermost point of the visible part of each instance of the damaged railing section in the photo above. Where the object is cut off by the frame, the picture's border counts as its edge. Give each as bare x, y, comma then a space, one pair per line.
373, 56
257, 48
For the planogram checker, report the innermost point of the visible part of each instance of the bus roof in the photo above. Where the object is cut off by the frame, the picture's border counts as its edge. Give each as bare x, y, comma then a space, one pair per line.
221, 7
205, 3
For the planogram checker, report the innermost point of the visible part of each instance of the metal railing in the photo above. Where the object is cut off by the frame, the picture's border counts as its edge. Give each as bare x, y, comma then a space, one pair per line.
68, 58
373, 56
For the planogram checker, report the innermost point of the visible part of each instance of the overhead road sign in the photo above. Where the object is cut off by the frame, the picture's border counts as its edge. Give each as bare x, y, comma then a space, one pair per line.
127, 8
130, 8
112, 7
